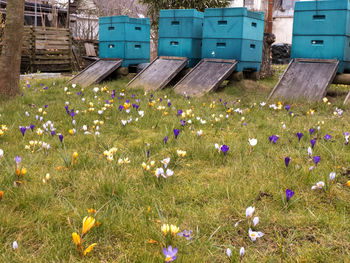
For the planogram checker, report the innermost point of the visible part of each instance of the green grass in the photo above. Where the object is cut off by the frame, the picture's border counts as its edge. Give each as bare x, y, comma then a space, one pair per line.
208, 193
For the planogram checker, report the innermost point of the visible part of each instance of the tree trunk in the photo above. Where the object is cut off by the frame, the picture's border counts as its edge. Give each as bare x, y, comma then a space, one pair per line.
266, 63
10, 60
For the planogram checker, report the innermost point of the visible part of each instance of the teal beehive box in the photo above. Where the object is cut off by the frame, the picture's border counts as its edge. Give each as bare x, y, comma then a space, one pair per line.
234, 33
321, 30
125, 38
180, 34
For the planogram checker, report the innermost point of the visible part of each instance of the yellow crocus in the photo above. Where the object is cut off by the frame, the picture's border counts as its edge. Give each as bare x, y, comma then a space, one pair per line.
1, 194
165, 229
88, 223
76, 239
174, 230
88, 250
91, 211
348, 183
75, 155
23, 171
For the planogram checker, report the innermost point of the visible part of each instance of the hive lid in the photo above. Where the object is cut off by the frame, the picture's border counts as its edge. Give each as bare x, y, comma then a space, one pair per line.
231, 12
322, 5
123, 19
180, 13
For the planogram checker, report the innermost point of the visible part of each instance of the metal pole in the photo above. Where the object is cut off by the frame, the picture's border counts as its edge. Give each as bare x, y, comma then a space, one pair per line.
35, 13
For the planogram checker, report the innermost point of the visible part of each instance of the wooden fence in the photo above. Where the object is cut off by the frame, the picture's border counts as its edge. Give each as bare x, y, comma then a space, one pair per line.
46, 50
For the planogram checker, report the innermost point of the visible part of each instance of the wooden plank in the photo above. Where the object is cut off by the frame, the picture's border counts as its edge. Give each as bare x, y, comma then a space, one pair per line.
306, 79
90, 50
206, 76
347, 99
96, 72
158, 74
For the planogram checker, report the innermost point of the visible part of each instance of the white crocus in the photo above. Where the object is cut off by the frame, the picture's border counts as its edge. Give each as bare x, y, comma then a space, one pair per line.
169, 172
255, 221
249, 211
309, 151
253, 141
165, 162
159, 172
254, 234
318, 185
242, 251
332, 176
228, 252
1, 153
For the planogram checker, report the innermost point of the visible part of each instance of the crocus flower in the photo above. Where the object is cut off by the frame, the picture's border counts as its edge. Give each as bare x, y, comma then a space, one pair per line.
253, 141
309, 151
186, 234
224, 148
165, 139
170, 254
273, 138
183, 122
22, 129
147, 155
289, 194
179, 112
165, 162
318, 185
88, 223
89, 248
313, 142
76, 239
287, 107
32, 127
316, 159
241, 252
53, 133
286, 161
299, 134
254, 235
18, 160
255, 221
1, 153
327, 137
332, 176
228, 252
249, 211
311, 131
60, 136
176, 133
14, 245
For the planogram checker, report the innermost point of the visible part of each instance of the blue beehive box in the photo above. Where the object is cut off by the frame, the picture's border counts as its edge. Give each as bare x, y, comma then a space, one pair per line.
234, 33
125, 38
180, 34
321, 30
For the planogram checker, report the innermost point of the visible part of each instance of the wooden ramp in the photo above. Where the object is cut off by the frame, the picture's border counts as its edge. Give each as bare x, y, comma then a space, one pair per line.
96, 72
159, 73
306, 79
206, 76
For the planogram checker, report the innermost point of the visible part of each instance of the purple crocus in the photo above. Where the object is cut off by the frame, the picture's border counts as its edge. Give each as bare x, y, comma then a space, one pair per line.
311, 131
287, 107
22, 129
224, 149
183, 122
327, 137
166, 139
313, 142
176, 133
179, 112
60, 136
32, 127
169, 103
316, 159
289, 194
121, 107
53, 133
186, 234
286, 161
18, 159
147, 155
170, 254
273, 138
300, 134
72, 113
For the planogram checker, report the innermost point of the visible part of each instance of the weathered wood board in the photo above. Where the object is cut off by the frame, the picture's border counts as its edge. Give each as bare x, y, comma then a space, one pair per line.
90, 50
159, 73
96, 72
306, 79
205, 77
347, 99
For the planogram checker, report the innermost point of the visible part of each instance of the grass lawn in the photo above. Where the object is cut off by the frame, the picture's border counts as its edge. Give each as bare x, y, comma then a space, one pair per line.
208, 193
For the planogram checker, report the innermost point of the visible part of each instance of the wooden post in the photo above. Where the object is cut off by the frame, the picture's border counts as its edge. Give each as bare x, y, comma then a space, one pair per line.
68, 15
